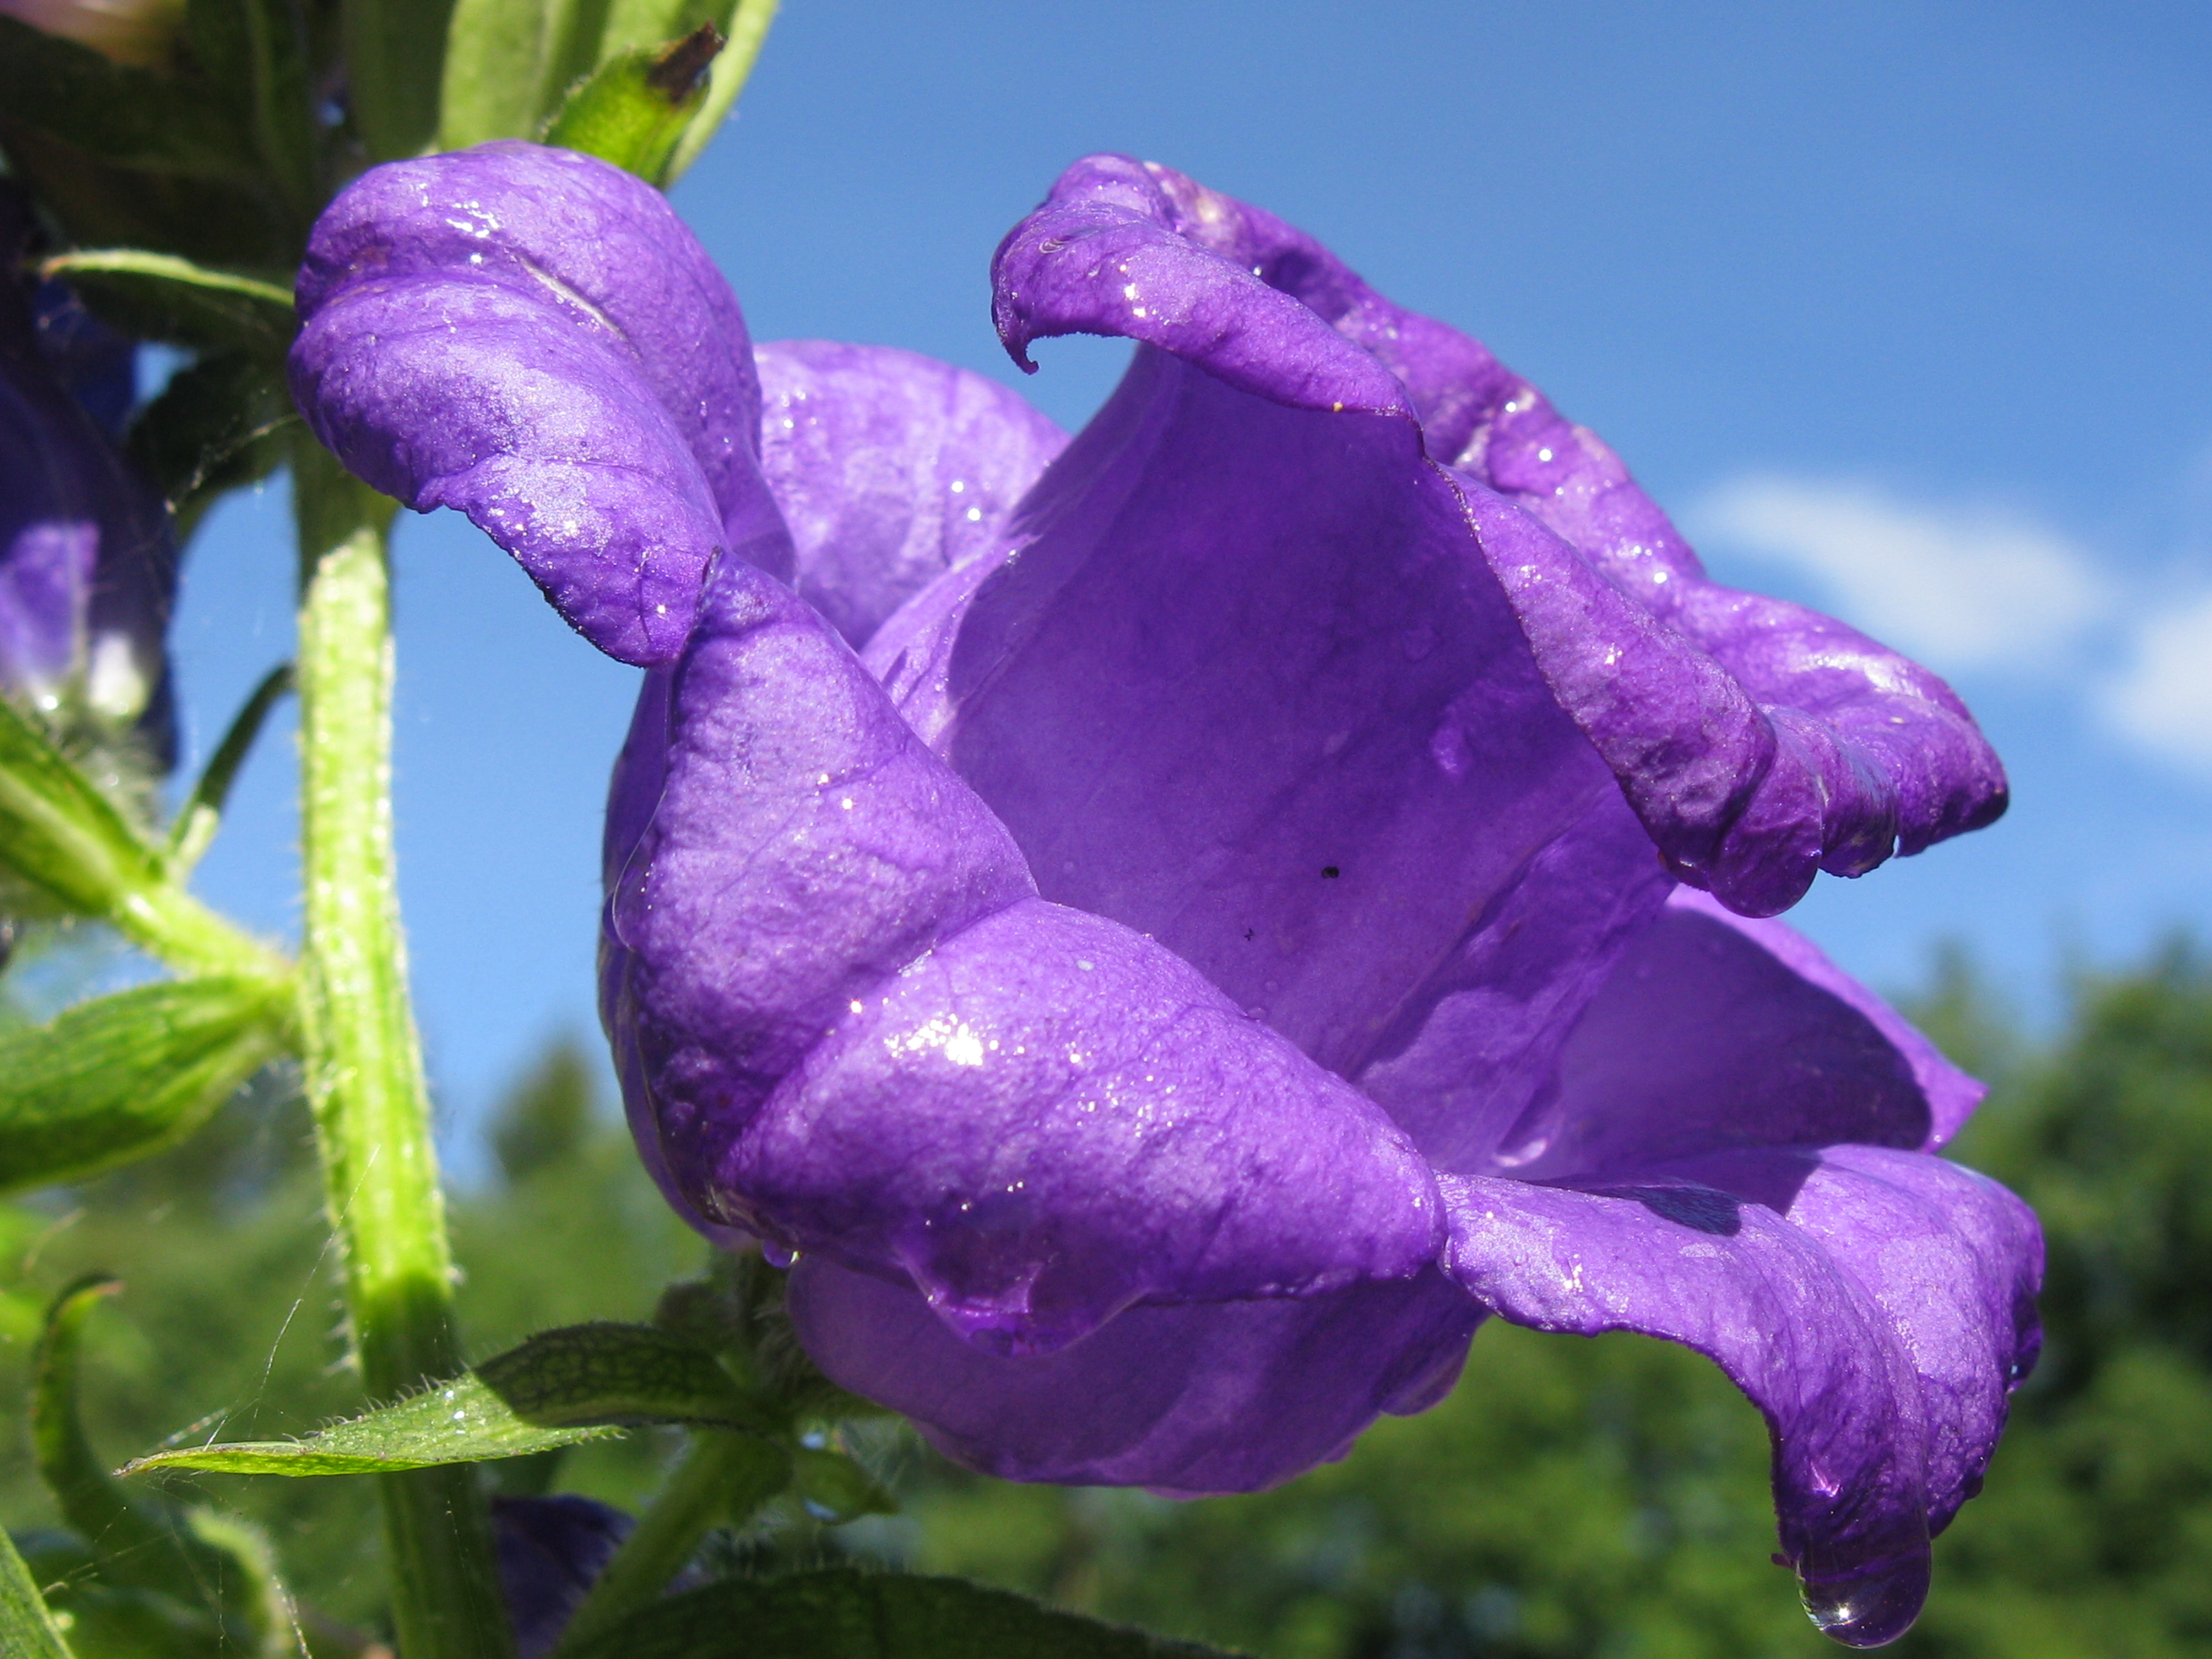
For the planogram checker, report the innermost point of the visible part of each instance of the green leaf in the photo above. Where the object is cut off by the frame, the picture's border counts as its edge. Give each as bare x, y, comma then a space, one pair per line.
840, 1613
508, 62
116, 1079
68, 842
116, 113
635, 107
133, 1542
395, 54
834, 1489
457, 1422
194, 1561
217, 425
59, 833
608, 1373
159, 296
561, 1387
26, 1628
196, 820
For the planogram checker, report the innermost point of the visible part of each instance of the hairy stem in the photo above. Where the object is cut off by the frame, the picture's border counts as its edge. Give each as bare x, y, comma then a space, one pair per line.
364, 1066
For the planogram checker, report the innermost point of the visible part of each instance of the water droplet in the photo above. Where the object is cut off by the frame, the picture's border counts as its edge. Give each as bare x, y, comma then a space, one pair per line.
1533, 1132
1868, 1609
776, 1254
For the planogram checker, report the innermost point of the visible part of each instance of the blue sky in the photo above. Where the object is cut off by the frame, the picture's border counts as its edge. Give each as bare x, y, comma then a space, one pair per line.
1902, 310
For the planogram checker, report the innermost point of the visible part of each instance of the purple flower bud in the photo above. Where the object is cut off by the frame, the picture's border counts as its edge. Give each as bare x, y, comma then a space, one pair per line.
87, 568
550, 1551
1172, 930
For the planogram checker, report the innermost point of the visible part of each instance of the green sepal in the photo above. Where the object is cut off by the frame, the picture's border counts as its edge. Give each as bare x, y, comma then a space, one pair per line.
114, 112
633, 24
746, 29
27, 1625
561, 1387
840, 1613
218, 425
185, 1573
159, 296
834, 1489
736, 1312
635, 107
508, 62
116, 1079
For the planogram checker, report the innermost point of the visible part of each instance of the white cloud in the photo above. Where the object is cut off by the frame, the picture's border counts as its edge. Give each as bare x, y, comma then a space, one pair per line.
1958, 587
2161, 699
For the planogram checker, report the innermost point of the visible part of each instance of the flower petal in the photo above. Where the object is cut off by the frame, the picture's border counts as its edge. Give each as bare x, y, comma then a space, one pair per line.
889, 468
1470, 1070
1203, 1398
1244, 686
534, 337
1877, 1306
1714, 1032
846, 1027
1757, 741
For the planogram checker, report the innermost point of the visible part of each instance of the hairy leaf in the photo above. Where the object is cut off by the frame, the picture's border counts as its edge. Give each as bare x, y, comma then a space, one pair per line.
113, 1080
159, 296
611, 1373
839, 1613
561, 1387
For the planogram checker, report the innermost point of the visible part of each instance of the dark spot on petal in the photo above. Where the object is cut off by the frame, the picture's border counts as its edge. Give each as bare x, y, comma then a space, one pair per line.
1331, 872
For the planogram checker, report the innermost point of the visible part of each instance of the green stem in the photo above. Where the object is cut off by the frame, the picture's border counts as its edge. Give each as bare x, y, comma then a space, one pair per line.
364, 1068
725, 1476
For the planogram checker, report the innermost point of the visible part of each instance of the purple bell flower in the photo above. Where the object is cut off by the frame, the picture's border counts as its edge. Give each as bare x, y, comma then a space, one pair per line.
1173, 930
87, 565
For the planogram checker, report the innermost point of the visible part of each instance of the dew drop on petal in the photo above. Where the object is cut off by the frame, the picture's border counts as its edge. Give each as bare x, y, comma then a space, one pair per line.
1868, 1609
